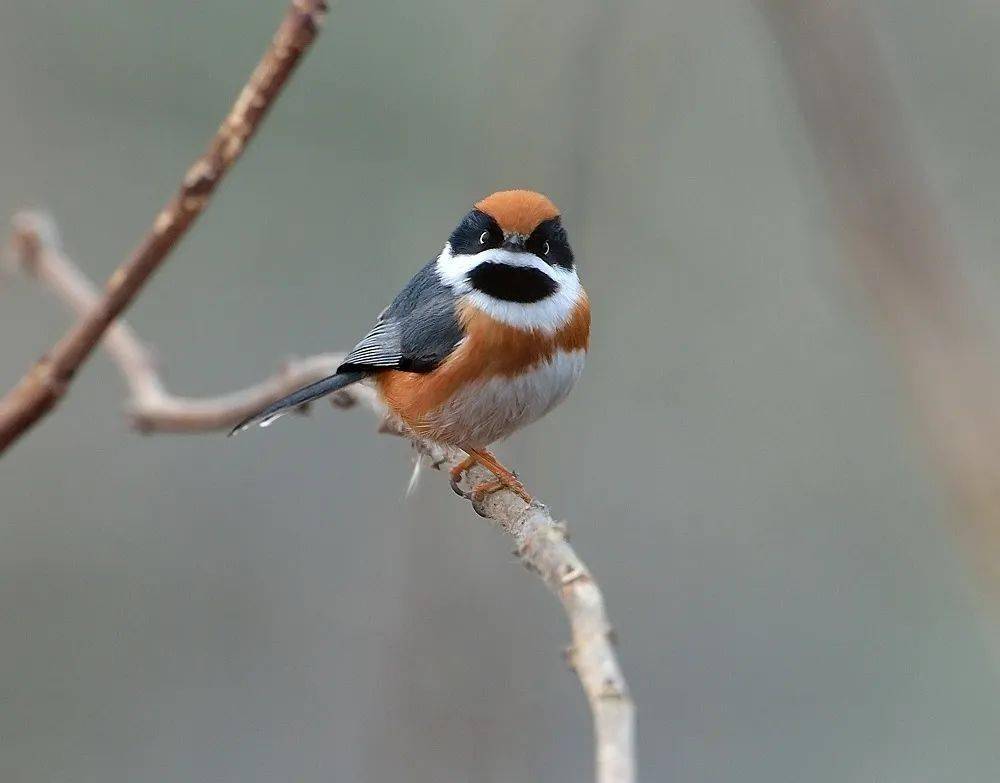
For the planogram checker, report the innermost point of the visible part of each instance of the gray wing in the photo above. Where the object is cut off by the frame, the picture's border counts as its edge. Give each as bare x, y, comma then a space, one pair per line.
415, 333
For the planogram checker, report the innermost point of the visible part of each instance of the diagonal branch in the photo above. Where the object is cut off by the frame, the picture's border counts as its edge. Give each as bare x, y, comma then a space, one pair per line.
46, 383
541, 541
151, 408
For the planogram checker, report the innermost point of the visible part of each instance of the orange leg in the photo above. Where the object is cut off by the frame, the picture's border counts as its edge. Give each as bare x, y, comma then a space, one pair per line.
505, 479
459, 470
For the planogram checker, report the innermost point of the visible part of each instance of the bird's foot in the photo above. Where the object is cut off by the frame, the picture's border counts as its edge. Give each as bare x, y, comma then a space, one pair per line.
457, 473
512, 483
505, 479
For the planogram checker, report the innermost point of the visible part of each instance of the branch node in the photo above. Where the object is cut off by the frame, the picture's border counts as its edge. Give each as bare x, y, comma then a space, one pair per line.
314, 12
572, 573
139, 422
30, 232
611, 689
164, 219
201, 177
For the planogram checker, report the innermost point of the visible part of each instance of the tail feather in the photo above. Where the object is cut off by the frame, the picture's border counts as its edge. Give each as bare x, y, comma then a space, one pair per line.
306, 394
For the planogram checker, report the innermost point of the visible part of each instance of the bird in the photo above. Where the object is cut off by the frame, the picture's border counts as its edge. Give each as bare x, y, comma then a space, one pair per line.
485, 339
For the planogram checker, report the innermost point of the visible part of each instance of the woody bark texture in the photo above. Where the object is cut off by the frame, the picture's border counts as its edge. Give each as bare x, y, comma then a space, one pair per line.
540, 540
46, 383
896, 245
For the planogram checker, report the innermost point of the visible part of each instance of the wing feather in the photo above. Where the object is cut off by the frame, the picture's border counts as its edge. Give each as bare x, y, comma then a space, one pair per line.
416, 332
381, 347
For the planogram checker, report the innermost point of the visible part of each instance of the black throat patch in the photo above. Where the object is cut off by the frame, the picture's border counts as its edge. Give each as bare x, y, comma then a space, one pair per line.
523, 284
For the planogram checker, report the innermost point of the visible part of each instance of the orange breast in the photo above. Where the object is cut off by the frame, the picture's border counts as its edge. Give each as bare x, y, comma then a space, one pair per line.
490, 349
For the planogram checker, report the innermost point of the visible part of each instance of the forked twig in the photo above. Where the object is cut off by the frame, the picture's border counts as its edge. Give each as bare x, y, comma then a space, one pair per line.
46, 383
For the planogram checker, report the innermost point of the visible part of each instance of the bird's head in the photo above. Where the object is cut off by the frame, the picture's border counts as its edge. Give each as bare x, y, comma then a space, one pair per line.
511, 257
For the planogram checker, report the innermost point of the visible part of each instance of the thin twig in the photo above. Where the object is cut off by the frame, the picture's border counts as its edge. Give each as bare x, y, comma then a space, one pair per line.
897, 246
45, 383
151, 408
540, 540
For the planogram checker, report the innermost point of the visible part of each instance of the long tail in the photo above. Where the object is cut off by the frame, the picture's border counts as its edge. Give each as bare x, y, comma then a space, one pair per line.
306, 394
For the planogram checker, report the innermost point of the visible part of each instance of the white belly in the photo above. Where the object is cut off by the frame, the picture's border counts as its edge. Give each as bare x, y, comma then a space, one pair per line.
482, 413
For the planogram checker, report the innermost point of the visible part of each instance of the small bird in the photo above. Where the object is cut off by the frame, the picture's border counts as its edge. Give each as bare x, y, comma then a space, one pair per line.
484, 339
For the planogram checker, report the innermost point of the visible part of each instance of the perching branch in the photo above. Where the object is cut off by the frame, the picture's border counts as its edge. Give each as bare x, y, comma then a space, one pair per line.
894, 239
540, 540
46, 383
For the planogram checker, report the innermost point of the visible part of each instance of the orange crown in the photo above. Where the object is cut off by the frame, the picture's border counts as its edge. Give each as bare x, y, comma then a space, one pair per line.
518, 211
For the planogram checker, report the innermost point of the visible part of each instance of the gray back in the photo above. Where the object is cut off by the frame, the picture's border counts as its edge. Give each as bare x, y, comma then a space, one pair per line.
414, 333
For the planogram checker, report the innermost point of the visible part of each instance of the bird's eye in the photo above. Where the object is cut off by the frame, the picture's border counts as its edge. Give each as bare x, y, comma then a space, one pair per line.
545, 249
483, 237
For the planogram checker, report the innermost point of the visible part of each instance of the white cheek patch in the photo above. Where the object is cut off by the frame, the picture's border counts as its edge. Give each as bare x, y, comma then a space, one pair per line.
546, 315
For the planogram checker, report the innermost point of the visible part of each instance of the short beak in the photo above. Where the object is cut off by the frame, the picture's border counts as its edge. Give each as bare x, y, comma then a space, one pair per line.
513, 243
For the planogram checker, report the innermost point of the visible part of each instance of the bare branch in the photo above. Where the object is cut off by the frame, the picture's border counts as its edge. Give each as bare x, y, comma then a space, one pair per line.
45, 384
895, 242
542, 546
37, 250
540, 540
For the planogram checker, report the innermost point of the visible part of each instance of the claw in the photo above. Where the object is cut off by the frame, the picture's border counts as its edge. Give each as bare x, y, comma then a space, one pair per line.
453, 483
457, 473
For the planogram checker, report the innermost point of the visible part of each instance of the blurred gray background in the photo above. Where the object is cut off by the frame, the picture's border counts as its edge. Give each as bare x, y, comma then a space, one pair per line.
735, 465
